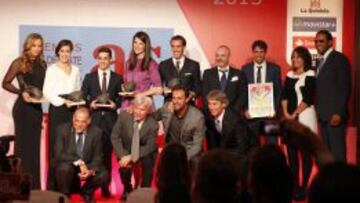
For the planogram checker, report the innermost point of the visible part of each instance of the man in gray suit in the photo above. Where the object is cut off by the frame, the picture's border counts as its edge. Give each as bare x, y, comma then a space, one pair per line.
134, 138
79, 156
183, 123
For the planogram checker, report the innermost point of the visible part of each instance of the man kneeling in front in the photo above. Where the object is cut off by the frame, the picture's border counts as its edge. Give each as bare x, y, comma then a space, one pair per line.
79, 156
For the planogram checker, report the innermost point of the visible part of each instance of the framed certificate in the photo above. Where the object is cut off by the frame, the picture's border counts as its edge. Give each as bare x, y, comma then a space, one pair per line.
261, 100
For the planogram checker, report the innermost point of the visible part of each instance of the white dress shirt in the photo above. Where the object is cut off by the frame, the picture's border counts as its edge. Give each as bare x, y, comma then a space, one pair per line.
220, 71
263, 71
181, 60
58, 82
100, 75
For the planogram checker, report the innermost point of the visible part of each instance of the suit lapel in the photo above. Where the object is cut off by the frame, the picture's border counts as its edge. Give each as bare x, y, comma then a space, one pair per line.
228, 82
216, 77
268, 74
87, 143
185, 66
327, 62
251, 73
97, 83
228, 124
111, 83
143, 128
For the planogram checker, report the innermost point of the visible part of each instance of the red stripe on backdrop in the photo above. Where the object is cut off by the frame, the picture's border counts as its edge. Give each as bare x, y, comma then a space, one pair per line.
349, 46
237, 25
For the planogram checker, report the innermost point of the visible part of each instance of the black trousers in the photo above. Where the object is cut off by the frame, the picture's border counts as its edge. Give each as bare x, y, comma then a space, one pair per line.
106, 123
57, 116
67, 180
334, 138
294, 165
147, 167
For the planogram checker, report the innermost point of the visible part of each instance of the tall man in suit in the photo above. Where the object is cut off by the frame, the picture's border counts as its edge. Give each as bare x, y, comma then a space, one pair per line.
183, 123
333, 89
103, 81
228, 79
226, 130
134, 138
180, 67
261, 71
78, 145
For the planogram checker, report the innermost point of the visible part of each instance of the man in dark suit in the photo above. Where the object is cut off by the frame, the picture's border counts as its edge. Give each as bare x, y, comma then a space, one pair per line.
180, 67
103, 82
183, 123
333, 89
79, 156
228, 79
261, 71
134, 138
226, 130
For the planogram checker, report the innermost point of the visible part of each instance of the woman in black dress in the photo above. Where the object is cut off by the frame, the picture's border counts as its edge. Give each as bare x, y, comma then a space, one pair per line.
298, 103
28, 69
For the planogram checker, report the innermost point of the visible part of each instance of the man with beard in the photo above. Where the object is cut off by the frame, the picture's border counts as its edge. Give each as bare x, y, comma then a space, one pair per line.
183, 123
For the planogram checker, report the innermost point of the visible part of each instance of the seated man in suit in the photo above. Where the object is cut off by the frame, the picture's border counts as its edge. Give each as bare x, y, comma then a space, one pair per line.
79, 156
106, 83
134, 138
226, 130
183, 123
261, 71
180, 67
228, 79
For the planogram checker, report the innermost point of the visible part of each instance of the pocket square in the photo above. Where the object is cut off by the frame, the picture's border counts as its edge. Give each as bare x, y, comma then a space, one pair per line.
187, 74
235, 78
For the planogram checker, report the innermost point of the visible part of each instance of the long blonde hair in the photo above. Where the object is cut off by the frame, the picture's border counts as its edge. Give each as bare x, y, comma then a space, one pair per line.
25, 58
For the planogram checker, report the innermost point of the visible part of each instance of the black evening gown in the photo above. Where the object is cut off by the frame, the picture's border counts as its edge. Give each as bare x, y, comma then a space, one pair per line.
27, 118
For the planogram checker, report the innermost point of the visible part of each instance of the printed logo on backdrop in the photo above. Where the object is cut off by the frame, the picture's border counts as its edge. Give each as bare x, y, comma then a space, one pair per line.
306, 17
88, 39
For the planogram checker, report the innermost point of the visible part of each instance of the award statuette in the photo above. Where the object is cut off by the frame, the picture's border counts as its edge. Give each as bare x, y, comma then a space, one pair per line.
172, 83
75, 97
261, 100
103, 100
35, 93
128, 89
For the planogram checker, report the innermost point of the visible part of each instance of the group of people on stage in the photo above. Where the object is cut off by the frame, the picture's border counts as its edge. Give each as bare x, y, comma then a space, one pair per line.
83, 138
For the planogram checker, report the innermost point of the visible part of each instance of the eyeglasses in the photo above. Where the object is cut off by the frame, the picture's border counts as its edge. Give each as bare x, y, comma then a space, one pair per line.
319, 41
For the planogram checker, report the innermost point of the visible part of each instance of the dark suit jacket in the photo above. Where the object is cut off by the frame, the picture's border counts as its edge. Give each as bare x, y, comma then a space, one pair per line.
236, 89
235, 136
273, 74
333, 87
65, 146
91, 90
123, 131
189, 74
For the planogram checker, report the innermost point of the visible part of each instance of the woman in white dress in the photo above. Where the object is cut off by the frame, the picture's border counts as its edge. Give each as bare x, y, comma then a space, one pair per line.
61, 78
298, 103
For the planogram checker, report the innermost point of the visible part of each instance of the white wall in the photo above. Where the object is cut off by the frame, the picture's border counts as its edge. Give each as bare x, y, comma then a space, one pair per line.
99, 13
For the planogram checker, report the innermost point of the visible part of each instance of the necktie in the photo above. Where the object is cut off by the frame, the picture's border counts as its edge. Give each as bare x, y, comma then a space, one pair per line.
321, 64
223, 80
80, 144
218, 125
135, 145
103, 83
177, 65
258, 74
